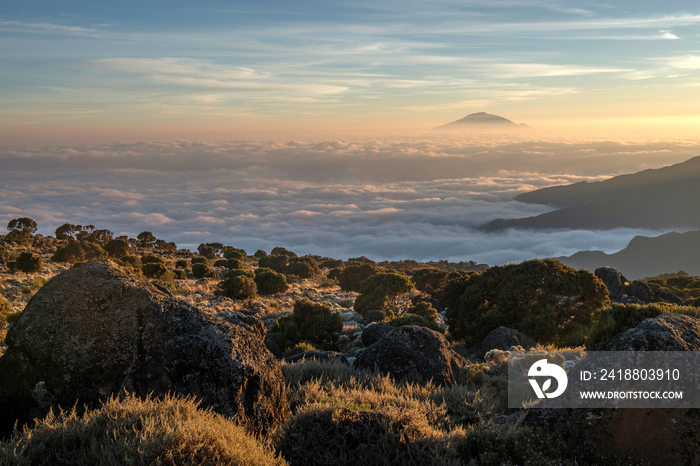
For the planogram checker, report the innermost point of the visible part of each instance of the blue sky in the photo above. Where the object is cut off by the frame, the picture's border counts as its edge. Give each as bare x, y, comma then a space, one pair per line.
159, 70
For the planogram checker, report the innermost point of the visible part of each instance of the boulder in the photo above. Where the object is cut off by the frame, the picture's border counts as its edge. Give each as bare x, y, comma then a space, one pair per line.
658, 436
373, 316
273, 347
98, 330
411, 351
316, 356
641, 292
666, 296
374, 332
503, 338
614, 281
667, 332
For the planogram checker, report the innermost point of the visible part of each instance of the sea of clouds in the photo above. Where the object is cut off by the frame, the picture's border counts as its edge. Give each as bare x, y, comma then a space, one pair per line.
396, 198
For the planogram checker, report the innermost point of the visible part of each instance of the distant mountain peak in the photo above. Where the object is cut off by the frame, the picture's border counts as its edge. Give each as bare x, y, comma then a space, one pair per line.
482, 121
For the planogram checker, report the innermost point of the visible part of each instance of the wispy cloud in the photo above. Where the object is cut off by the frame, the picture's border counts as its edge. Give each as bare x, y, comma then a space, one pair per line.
46, 28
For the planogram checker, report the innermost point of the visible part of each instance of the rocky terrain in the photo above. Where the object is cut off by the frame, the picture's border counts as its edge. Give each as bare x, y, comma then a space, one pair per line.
333, 368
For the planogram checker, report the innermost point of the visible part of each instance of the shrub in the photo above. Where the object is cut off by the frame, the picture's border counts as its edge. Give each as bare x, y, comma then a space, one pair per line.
332, 264
329, 283
352, 277
234, 264
181, 264
454, 289
199, 260
321, 435
282, 251
145, 240
239, 287
207, 251
620, 317
221, 263
4, 255
203, 271
334, 274
270, 282
151, 259
302, 347
542, 298
432, 281
382, 290
425, 310
179, 274
276, 262
310, 322
240, 273
496, 447
154, 269
303, 267
414, 319
171, 431
117, 247
259, 254
133, 262
79, 251
234, 253
4, 312
26, 262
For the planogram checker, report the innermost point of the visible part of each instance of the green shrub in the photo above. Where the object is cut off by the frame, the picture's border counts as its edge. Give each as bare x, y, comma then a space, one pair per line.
239, 287
199, 260
270, 282
620, 317
151, 259
4, 312
432, 281
323, 435
302, 347
26, 262
276, 262
353, 275
79, 251
425, 310
334, 274
413, 319
179, 274
310, 322
240, 273
234, 253
382, 290
454, 289
171, 431
234, 264
4, 255
282, 251
207, 251
303, 267
259, 253
332, 264
181, 264
329, 283
200, 270
221, 263
154, 269
544, 299
117, 247
133, 262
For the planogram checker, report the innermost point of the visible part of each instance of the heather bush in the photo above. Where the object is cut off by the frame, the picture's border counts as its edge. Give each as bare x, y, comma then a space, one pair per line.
353, 275
154, 269
303, 267
239, 287
432, 281
128, 430
310, 322
544, 299
199, 260
276, 262
425, 310
79, 251
332, 264
206, 251
240, 273
117, 248
620, 317
454, 289
234, 253
200, 270
221, 263
383, 290
151, 259
145, 240
181, 264
259, 254
282, 251
270, 282
4, 312
133, 262
414, 319
26, 262
334, 274
4, 255
179, 274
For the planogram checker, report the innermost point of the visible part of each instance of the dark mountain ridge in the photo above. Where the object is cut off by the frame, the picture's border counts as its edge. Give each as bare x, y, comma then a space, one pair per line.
656, 198
482, 121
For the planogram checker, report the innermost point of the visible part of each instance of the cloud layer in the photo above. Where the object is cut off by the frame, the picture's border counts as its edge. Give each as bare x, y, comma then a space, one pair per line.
415, 198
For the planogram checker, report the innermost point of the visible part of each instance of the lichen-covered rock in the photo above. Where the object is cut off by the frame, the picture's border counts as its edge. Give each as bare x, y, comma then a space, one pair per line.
614, 281
374, 332
98, 329
373, 316
666, 296
412, 351
667, 332
503, 338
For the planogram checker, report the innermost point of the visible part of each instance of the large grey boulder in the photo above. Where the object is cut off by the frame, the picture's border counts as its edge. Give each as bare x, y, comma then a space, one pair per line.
98, 330
374, 332
411, 351
667, 332
658, 436
503, 338
614, 281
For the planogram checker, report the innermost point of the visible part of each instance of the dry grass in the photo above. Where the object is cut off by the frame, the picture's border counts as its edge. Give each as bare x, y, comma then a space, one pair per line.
172, 431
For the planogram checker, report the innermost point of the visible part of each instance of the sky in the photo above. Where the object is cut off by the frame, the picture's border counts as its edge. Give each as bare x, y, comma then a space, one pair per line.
307, 124
76, 72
